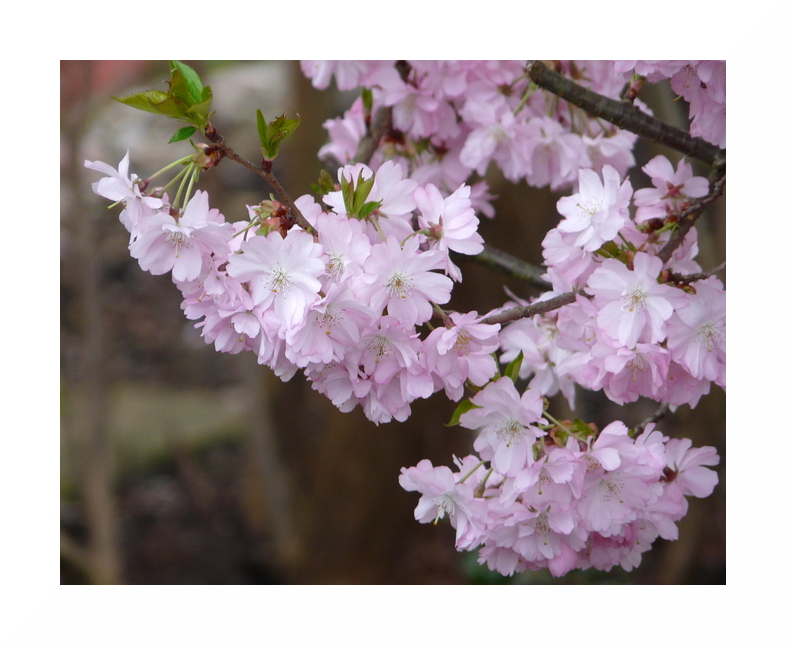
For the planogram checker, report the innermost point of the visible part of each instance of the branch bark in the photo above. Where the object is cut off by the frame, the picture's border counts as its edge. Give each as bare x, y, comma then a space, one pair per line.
512, 266
265, 172
624, 115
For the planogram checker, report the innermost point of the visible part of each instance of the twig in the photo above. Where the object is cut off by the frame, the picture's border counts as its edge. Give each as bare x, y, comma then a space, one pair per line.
689, 217
659, 414
623, 114
383, 119
511, 265
693, 277
521, 311
263, 171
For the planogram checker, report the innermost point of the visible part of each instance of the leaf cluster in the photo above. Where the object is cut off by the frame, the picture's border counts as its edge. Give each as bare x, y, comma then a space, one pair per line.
355, 196
187, 99
272, 134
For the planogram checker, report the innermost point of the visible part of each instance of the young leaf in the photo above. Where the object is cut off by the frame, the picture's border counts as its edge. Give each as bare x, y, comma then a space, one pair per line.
191, 80
465, 406
367, 209
513, 369
146, 101
183, 133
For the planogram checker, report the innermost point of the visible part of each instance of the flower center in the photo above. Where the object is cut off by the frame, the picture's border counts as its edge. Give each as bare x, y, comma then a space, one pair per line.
511, 432
178, 239
637, 300
399, 285
278, 280
708, 336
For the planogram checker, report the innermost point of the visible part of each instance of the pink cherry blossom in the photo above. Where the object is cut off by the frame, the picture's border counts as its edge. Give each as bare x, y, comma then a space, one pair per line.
633, 305
598, 211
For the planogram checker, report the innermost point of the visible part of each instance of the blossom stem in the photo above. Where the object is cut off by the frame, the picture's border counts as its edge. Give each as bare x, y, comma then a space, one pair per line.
189, 174
172, 165
557, 423
469, 474
192, 181
177, 178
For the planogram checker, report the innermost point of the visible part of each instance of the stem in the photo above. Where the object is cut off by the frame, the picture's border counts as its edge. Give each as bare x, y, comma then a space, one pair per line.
623, 115
557, 423
177, 178
266, 173
522, 311
512, 266
172, 165
689, 217
189, 175
467, 476
659, 414
191, 182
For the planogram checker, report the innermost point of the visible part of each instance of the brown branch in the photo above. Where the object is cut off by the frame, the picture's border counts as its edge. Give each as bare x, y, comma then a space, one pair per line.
263, 171
689, 217
624, 115
659, 414
383, 120
693, 277
510, 265
521, 311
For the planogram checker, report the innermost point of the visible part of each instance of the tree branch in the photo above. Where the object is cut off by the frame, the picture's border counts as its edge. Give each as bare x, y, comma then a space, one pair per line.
693, 277
659, 414
510, 265
624, 115
263, 171
383, 120
521, 311
689, 217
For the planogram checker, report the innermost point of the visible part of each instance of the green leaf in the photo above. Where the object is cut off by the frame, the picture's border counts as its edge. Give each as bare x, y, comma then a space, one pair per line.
183, 133
272, 134
362, 191
178, 88
191, 81
348, 193
367, 209
513, 368
465, 406
582, 428
368, 101
146, 101
325, 183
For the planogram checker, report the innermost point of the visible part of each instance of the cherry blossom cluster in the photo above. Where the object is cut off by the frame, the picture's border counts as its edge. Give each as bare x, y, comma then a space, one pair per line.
702, 83
346, 306
456, 117
630, 332
552, 495
560, 499
356, 295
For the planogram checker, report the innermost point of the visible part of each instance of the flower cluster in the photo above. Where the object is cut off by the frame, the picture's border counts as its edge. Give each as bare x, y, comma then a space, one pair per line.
702, 83
454, 118
347, 306
574, 498
353, 296
630, 332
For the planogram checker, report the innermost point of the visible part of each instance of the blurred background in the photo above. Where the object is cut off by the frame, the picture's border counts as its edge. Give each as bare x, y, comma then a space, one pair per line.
182, 465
